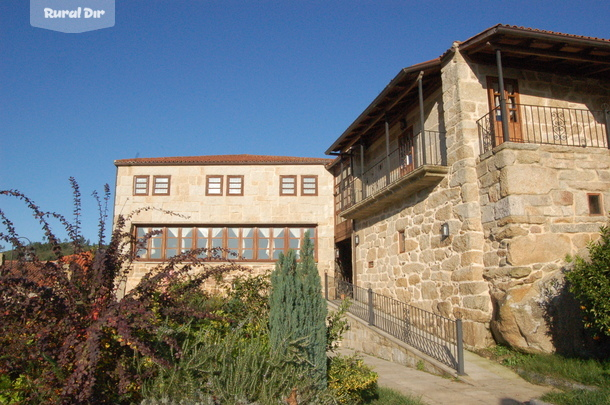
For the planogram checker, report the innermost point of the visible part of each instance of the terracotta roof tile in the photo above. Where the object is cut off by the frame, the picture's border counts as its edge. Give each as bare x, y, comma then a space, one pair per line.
223, 160
551, 32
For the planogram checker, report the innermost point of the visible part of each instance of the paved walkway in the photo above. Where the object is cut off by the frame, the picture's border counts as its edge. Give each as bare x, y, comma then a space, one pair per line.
487, 383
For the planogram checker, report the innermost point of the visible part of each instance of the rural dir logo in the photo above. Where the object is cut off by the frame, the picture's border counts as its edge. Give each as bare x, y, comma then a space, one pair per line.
72, 16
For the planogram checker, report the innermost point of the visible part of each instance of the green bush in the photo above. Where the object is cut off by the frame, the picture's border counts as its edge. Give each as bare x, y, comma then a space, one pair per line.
297, 309
351, 380
234, 368
589, 281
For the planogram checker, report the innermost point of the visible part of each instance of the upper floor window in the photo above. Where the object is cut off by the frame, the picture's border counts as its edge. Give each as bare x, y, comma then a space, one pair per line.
309, 185
235, 185
213, 185
288, 185
161, 185
140, 185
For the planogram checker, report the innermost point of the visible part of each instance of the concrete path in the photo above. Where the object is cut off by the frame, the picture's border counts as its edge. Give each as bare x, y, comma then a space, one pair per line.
487, 383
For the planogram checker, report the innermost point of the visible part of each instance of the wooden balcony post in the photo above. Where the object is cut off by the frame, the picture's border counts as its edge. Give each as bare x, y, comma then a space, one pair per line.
503, 111
607, 115
421, 116
387, 151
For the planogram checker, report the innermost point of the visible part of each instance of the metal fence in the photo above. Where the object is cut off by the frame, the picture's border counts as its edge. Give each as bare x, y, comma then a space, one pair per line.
546, 125
432, 334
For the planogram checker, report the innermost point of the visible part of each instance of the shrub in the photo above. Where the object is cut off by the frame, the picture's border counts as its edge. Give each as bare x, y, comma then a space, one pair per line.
351, 380
235, 368
336, 326
66, 336
589, 281
298, 309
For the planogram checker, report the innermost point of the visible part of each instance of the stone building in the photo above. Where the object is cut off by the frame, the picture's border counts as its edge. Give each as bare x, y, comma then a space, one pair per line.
463, 186
255, 206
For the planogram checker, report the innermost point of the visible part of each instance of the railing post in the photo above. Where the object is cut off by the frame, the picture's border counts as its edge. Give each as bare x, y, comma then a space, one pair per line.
326, 285
371, 310
460, 346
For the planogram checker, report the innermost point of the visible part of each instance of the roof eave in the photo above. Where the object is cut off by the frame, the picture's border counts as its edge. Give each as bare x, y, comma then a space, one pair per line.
384, 93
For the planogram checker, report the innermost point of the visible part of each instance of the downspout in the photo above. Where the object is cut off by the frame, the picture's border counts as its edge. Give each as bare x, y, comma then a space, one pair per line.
421, 115
503, 111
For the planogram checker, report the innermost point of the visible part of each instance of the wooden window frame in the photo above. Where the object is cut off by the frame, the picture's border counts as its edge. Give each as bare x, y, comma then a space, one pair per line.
195, 240
207, 184
241, 185
135, 184
593, 211
154, 185
315, 183
282, 179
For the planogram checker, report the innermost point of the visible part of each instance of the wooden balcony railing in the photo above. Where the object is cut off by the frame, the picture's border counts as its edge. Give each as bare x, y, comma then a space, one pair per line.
428, 151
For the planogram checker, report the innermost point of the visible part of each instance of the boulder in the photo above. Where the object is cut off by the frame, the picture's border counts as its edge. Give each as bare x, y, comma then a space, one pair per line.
520, 318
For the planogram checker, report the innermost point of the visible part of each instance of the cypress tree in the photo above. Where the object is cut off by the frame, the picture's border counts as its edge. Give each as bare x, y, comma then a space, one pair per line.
298, 309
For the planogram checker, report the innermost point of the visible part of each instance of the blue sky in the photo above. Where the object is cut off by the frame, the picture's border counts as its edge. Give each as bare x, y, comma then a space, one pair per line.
182, 78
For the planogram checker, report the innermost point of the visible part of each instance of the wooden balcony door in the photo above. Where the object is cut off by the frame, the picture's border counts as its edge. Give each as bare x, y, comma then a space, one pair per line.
511, 95
406, 151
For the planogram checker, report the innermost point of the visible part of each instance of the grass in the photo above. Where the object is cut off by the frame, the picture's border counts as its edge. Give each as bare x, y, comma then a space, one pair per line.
388, 396
581, 381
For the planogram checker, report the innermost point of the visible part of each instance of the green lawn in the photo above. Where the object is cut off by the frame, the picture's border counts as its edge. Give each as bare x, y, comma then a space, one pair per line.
579, 381
387, 396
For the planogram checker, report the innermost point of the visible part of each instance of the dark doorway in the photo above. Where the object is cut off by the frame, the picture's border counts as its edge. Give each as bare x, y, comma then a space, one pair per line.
344, 261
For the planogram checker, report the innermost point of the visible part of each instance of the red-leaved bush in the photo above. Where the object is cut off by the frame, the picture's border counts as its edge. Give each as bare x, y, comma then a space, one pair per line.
67, 333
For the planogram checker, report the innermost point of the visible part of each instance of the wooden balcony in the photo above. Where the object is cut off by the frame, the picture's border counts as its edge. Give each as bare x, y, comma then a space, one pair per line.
395, 177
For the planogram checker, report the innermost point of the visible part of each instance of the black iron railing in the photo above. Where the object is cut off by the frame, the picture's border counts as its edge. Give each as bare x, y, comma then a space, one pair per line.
546, 125
437, 336
425, 150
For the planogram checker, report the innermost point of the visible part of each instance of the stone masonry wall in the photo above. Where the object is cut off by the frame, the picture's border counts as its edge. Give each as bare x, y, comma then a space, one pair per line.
535, 211
443, 275
261, 204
